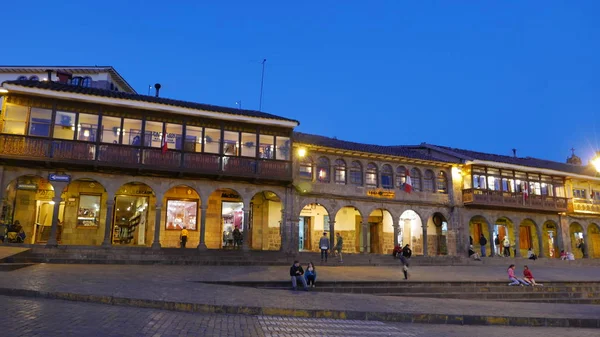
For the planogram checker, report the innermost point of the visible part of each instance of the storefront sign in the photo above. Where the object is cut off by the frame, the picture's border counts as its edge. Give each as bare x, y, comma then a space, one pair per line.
30, 187
379, 193
59, 177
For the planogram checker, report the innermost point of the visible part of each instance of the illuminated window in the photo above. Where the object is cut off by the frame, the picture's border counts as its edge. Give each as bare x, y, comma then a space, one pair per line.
371, 175
442, 182
387, 176
400, 176
306, 168
323, 170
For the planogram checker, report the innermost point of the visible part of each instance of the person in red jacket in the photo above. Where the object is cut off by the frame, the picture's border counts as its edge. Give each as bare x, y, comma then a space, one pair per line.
528, 276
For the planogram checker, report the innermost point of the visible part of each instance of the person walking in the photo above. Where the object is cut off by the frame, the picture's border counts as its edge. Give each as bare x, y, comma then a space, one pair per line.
184, 237
498, 246
482, 243
324, 245
506, 245
338, 247
297, 273
581, 245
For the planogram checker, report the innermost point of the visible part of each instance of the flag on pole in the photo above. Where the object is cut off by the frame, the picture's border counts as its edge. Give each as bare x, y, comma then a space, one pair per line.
525, 191
164, 146
408, 183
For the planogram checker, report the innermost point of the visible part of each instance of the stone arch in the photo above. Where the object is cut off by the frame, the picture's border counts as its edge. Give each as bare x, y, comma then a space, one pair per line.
227, 209
29, 201
529, 237
550, 233
378, 236
314, 220
576, 234
480, 225
410, 231
504, 227
437, 229
181, 204
348, 223
134, 214
267, 219
593, 236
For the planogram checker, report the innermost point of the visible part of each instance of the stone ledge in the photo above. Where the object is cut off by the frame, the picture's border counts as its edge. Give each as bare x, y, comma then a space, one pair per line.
308, 313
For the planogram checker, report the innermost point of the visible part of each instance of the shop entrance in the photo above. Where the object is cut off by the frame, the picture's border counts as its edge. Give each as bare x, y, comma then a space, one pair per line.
130, 220
232, 217
304, 227
43, 220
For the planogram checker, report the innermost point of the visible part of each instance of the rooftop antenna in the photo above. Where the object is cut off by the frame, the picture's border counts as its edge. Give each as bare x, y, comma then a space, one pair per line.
239, 104
262, 79
149, 88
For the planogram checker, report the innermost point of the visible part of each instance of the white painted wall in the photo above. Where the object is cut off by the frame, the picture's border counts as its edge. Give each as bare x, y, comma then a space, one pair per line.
274, 213
345, 220
317, 215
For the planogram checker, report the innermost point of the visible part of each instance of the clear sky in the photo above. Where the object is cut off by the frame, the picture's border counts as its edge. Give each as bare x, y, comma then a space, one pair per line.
482, 75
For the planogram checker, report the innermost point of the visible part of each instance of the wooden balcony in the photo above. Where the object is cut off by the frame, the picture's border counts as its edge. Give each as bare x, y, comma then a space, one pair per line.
500, 199
68, 153
586, 206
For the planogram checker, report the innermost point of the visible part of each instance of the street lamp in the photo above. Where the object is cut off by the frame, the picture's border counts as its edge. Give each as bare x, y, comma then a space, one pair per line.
301, 152
596, 162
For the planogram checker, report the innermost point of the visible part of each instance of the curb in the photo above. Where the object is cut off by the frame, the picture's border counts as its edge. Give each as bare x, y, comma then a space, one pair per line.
309, 313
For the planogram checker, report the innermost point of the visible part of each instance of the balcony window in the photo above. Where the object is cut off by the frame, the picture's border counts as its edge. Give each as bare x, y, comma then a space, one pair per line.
39, 122
493, 183
596, 195
400, 176
428, 181
86, 82
479, 181
249, 144
15, 119
340, 172
306, 168
387, 177
559, 191
193, 139
87, 127
356, 174
212, 140
535, 188
323, 170
64, 125
111, 129
174, 136
266, 147
442, 182
579, 193
416, 179
132, 131
231, 143
371, 175
283, 147
508, 185
154, 134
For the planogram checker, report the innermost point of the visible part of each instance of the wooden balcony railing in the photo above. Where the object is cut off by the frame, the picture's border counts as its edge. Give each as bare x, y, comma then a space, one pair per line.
123, 156
588, 206
473, 196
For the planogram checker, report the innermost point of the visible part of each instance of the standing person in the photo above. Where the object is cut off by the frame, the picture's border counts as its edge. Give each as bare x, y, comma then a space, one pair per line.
406, 251
581, 245
297, 273
324, 245
311, 275
506, 245
528, 276
184, 237
497, 244
404, 261
482, 243
338, 247
237, 237
511, 277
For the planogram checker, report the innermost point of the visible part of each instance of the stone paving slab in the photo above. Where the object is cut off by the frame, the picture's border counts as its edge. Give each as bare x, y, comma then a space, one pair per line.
173, 288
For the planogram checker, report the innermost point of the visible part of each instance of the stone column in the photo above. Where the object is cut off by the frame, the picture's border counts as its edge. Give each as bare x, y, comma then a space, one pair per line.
247, 229
58, 188
157, 218
517, 231
425, 240
490, 240
586, 248
396, 226
540, 235
365, 228
202, 240
294, 243
283, 232
331, 234
110, 203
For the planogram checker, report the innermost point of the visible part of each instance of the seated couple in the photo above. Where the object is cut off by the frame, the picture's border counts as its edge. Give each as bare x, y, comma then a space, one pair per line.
297, 274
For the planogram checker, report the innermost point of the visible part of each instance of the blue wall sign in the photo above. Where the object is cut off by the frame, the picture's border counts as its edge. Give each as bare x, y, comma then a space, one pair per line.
59, 177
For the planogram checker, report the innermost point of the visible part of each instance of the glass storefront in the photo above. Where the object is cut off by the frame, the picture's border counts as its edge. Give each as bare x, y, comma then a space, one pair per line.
88, 212
131, 220
182, 213
232, 215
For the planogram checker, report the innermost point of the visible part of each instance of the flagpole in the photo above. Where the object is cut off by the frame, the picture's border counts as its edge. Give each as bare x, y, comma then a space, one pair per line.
262, 79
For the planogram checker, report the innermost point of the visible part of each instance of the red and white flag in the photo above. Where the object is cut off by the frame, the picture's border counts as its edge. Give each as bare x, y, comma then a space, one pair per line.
164, 146
525, 191
408, 183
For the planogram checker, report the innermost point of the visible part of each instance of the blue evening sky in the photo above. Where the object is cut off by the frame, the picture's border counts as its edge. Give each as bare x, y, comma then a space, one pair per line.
482, 75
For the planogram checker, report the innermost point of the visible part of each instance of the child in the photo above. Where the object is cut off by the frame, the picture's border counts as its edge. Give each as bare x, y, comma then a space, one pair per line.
528, 276
511, 277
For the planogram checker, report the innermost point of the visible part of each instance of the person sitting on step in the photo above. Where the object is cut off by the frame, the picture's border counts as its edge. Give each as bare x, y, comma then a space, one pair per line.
473, 255
531, 254
513, 279
528, 276
297, 273
311, 274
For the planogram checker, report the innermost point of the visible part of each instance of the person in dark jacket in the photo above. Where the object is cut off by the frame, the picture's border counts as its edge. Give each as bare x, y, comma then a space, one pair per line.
482, 243
297, 273
406, 251
324, 246
311, 274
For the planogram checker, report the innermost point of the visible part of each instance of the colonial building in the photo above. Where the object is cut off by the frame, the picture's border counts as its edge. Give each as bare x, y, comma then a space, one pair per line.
89, 166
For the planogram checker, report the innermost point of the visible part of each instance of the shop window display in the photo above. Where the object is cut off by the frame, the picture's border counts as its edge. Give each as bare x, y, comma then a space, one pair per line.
131, 213
88, 212
232, 214
182, 213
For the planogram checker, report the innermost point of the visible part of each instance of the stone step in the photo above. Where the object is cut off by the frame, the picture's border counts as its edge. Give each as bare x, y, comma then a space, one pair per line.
14, 266
500, 295
594, 300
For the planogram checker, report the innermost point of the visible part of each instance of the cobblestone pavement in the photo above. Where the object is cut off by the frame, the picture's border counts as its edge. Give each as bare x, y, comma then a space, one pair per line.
49, 318
174, 283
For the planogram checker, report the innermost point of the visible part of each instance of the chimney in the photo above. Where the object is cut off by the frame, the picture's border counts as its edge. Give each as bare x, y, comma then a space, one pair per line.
514, 153
157, 87
49, 71
63, 76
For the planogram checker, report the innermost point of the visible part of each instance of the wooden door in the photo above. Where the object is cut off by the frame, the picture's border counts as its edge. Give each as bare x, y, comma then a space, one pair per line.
525, 237
477, 230
595, 243
374, 230
358, 233
307, 233
501, 233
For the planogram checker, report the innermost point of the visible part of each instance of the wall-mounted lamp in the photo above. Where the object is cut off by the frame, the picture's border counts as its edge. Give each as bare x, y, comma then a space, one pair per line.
301, 152
3, 91
596, 162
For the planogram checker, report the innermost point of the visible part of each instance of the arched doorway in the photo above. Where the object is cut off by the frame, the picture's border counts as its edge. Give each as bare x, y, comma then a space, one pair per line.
348, 222
225, 212
182, 209
29, 201
133, 215
314, 221
478, 225
504, 228
265, 219
528, 237
550, 239
594, 240
576, 235
380, 233
437, 229
410, 231
83, 209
